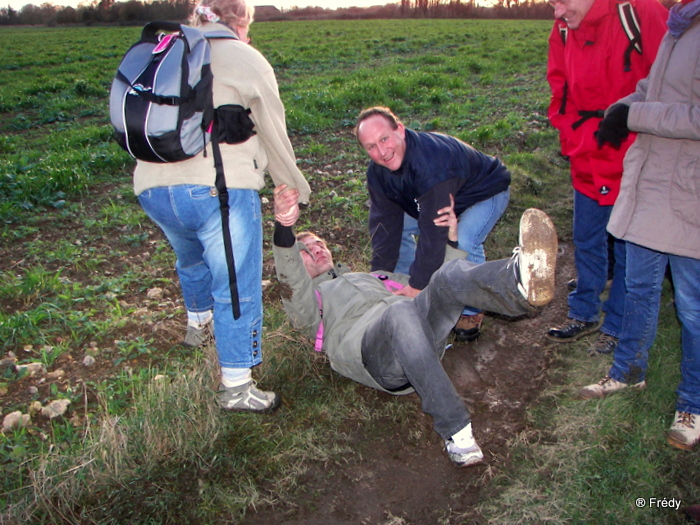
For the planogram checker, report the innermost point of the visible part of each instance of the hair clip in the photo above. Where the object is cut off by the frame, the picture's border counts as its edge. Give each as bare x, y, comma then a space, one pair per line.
207, 12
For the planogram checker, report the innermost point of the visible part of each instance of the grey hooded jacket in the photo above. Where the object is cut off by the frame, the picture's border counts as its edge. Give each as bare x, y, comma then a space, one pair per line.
658, 206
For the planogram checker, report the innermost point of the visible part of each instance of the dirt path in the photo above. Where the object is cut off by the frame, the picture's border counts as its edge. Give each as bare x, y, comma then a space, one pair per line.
391, 481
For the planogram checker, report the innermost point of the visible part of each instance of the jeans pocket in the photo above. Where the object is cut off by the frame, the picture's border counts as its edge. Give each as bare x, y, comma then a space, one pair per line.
202, 192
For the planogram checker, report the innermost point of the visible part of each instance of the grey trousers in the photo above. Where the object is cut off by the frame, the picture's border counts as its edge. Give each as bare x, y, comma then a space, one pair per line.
405, 344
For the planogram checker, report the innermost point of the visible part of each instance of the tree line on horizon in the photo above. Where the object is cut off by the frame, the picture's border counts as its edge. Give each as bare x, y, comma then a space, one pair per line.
132, 12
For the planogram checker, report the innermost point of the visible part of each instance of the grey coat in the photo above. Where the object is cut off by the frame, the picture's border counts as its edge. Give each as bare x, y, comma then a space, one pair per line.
658, 204
351, 301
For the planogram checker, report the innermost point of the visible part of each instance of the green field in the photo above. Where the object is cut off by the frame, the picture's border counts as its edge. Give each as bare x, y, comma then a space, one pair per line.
79, 257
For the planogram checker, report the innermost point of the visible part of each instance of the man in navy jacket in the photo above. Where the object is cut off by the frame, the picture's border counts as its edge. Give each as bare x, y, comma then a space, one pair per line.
411, 176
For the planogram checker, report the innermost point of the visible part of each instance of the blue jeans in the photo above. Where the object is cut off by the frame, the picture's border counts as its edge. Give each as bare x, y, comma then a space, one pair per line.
475, 223
646, 269
406, 342
190, 218
591, 259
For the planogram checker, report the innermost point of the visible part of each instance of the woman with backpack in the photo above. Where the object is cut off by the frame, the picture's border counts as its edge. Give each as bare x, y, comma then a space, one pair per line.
183, 200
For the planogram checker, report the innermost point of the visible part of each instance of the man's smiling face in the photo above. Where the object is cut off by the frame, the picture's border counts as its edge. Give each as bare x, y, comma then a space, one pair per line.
385, 145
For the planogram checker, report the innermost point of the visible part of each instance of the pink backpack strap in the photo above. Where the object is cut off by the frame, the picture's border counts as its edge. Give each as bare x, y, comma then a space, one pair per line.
390, 285
318, 345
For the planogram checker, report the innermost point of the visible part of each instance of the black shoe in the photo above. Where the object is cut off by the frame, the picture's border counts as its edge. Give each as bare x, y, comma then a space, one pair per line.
572, 330
605, 344
468, 328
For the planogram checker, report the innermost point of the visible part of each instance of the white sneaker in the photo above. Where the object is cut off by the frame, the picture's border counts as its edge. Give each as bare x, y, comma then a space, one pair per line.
247, 398
536, 257
685, 431
464, 457
606, 386
462, 448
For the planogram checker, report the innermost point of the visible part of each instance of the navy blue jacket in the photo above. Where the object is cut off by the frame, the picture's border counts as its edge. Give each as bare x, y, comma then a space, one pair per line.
434, 166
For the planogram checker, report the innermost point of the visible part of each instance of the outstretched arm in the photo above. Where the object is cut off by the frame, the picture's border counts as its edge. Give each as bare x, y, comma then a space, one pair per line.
297, 291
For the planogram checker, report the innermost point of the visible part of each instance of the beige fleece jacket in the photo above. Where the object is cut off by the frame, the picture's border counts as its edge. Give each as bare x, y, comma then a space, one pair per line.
241, 76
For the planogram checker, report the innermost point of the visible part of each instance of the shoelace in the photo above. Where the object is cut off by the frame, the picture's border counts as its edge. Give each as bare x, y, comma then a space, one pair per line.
575, 323
686, 419
515, 263
605, 381
605, 340
514, 259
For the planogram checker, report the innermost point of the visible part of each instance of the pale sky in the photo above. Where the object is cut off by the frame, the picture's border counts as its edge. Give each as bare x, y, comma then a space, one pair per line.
281, 4
332, 4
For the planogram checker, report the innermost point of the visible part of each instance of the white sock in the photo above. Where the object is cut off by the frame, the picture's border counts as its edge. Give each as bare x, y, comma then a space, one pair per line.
199, 319
231, 377
464, 438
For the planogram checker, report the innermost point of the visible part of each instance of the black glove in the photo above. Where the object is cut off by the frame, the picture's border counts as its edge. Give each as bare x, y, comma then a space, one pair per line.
613, 128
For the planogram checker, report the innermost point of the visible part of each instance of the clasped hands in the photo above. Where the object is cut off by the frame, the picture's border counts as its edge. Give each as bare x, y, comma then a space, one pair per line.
286, 205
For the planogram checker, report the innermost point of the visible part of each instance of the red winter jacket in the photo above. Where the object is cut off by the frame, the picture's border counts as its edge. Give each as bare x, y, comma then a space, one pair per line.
587, 74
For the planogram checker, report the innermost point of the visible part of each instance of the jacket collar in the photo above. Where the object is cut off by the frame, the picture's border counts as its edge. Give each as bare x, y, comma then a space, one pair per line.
598, 12
217, 27
338, 269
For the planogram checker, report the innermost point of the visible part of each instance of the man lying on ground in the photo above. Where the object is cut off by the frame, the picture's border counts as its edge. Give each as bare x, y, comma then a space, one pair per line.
394, 343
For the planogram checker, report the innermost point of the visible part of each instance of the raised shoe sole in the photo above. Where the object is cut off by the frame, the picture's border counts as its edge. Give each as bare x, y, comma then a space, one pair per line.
538, 256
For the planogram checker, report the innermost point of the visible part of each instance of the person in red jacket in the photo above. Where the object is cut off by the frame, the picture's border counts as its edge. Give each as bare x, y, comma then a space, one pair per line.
598, 51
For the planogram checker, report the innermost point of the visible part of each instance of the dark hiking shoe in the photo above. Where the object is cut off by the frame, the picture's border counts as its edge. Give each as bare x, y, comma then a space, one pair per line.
605, 344
468, 328
199, 337
571, 330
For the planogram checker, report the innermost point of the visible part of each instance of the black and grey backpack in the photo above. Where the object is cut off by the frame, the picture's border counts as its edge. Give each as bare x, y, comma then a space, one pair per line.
162, 110
161, 98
